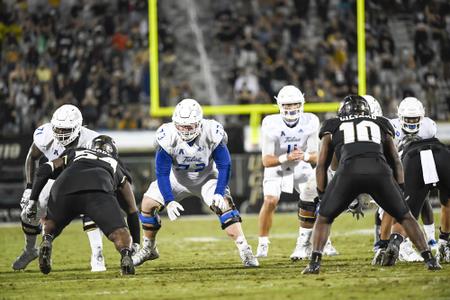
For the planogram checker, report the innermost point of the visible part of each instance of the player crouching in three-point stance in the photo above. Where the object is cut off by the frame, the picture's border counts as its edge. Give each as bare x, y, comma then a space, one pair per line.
86, 181
192, 159
364, 147
289, 147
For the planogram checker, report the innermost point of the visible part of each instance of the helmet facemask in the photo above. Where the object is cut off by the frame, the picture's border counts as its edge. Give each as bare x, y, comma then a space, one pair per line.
187, 118
290, 101
411, 124
291, 112
411, 114
188, 132
65, 136
66, 124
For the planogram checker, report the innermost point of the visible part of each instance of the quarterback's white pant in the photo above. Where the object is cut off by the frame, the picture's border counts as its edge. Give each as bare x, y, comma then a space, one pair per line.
305, 185
204, 190
42, 207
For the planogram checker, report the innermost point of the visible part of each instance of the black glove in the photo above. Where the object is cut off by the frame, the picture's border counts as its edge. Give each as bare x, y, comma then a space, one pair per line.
356, 209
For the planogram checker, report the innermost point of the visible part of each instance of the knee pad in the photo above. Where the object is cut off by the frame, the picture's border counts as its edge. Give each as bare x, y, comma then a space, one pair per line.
230, 217
310, 207
152, 223
31, 229
88, 224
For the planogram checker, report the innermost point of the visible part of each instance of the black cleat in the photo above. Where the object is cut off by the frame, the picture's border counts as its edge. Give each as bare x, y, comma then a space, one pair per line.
126, 265
379, 256
391, 255
45, 256
312, 268
432, 264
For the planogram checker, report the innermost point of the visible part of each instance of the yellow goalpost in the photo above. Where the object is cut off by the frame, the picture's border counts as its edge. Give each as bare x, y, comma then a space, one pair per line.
253, 110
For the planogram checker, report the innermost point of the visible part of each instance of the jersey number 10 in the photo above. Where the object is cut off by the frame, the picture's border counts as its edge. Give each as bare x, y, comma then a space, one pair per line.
364, 131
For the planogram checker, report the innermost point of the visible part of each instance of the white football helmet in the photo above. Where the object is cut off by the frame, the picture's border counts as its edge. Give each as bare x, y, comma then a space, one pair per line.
411, 114
66, 124
375, 107
287, 97
187, 118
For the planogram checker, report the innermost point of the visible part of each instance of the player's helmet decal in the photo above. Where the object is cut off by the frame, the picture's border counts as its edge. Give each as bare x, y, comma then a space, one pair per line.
187, 118
66, 124
354, 105
105, 144
290, 101
411, 114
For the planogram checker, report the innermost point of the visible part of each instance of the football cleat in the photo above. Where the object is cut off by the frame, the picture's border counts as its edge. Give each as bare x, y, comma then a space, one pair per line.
248, 259
433, 265
312, 268
391, 255
329, 250
144, 254
98, 261
135, 248
127, 265
24, 259
443, 251
45, 256
407, 252
433, 244
262, 250
303, 248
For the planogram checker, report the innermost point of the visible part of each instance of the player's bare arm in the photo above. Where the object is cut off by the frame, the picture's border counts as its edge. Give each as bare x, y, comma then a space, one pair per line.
34, 154
392, 156
323, 162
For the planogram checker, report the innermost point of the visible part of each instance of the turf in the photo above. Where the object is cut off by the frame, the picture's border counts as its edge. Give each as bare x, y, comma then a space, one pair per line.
198, 262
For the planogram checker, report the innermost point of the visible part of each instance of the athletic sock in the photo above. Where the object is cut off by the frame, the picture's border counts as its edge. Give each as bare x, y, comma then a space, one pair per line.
241, 243
316, 257
444, 235
263, 240
305, 231
430, 232
125, 252
30, 242
426, 255
149, 242
396, 239
95, 240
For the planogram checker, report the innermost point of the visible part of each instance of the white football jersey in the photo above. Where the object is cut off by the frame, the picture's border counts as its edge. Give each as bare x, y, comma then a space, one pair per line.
278, 139
191, 165
43, 139
427, 129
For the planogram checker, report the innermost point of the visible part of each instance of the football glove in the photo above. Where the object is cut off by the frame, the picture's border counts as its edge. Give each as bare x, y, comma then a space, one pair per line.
356, 209
31, 209
220, 202
173, 210
25, 198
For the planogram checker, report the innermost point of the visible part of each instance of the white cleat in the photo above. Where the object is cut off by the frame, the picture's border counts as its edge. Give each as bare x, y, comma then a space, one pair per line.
248, 259
24, 259
303, 248
98, 261
329, 249
443, 251
407, 252
262, 250
144, 254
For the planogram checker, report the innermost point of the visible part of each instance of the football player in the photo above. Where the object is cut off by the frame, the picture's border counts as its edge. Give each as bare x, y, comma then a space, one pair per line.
86, 182
289, 147
64, 131
368, 163
192, 160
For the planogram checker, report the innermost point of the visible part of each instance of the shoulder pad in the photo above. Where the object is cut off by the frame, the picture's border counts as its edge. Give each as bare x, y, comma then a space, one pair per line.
86, 137
313, 120
166, 137
328, 126
43, 136
386, 125
215, 132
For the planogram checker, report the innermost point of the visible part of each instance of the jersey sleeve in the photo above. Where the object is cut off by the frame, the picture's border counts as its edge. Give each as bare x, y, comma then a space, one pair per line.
120, 177
125, 171
164, 138
432, 128
312, 144
217, 134
328, 127
268, 139
386, 126
42, 136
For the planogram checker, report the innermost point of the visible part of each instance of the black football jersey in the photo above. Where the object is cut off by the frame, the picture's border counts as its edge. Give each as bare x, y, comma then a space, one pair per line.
89, 170
357, 135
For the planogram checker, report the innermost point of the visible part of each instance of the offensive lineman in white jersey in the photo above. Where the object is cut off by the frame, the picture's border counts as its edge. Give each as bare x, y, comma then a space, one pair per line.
411, 120
289, 147
192, 160
50, 140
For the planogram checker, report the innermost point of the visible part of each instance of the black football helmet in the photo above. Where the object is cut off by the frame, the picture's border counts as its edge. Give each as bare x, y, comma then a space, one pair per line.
354, 105
105, 144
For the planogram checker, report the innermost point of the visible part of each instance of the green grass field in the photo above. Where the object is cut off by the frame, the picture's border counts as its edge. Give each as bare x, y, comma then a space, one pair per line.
198, 262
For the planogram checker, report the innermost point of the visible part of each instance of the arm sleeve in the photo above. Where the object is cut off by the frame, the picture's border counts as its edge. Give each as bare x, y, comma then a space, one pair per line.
222, 158
163, 166
44, 173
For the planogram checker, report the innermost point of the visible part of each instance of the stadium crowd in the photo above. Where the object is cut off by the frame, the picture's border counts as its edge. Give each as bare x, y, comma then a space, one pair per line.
94, 54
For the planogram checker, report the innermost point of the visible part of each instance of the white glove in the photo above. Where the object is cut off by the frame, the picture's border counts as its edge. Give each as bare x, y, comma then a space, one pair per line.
31, 209
220, 202
173, 210
25, 198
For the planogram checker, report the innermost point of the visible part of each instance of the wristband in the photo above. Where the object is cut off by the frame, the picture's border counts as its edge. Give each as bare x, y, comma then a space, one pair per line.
283, 158
306, 156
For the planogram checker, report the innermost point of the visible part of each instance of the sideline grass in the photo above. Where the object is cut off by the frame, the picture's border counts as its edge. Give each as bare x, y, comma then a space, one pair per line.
198, 262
